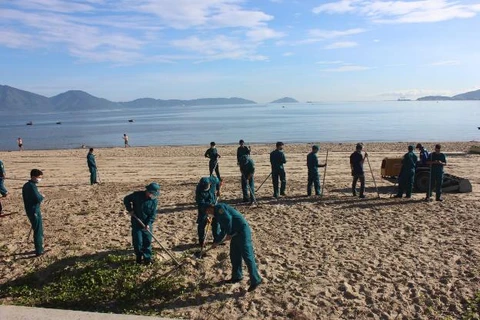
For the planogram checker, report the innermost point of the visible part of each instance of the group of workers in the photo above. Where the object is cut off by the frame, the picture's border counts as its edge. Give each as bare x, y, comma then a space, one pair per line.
224, 221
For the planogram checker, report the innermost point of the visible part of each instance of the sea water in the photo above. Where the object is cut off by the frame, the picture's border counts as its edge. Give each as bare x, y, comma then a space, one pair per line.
388, 121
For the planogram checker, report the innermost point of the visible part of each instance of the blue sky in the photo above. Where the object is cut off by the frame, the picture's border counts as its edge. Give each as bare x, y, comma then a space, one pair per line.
259, 50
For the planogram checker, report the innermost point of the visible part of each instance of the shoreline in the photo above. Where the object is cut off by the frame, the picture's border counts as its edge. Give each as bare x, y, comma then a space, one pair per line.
331, 144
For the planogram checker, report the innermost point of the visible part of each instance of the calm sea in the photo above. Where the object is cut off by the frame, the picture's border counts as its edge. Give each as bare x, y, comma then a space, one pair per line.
334, 122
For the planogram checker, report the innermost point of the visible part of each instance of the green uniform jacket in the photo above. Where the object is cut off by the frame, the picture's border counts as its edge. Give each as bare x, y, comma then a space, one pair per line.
143, 207
242, 151
203, 197
437, 168
212, 154
31, 198
409, 161
277, 159
248, 168
91, 161
231, 221
312, 162
2, 170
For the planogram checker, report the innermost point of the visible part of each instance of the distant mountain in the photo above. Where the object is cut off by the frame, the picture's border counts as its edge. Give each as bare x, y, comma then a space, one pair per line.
19, 101
149, 102
285, 100
79, 100
472, 95
14, 100
434, 98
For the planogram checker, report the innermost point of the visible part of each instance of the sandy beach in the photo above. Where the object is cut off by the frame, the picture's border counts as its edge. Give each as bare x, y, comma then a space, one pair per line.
339, 257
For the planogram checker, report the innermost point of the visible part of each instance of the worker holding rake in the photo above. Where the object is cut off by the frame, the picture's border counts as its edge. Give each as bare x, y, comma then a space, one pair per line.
247, 168
236, 229
313, 176
356, 164
143, 205
206, 193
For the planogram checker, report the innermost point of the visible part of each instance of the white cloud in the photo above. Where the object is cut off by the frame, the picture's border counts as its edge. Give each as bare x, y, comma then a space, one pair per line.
330, 62
317, 35
219, 47
335, 7
121, 30
261, 34
347, 68
185, 14
420, 11
14, 39
446, 63
341, 45
331, 34
287, 54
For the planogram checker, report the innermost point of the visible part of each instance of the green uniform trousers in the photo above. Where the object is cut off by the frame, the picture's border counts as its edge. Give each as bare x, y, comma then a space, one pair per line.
93, 175
37, 227
241, 248
142, 241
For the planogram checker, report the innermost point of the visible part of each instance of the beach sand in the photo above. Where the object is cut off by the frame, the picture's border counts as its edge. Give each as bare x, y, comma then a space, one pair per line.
338, 257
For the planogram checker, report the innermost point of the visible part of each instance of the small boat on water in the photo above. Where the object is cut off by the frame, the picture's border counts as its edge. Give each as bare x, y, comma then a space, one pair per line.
29, 123
58, 122
131, 120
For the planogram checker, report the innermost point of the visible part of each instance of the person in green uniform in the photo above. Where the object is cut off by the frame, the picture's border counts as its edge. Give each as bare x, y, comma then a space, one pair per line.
92, 166
236, 229
356, 164
207, 192
407, 174
313, 176
213, 155
242, 150
3, 190
32, 200
277, 159
247, 168
436, 161
143, 204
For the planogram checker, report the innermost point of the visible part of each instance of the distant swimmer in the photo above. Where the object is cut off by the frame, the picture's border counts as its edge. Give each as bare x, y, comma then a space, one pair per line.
125, 139
20, 144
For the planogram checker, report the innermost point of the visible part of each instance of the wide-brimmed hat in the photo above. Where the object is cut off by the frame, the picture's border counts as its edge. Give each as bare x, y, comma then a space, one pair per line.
153, 188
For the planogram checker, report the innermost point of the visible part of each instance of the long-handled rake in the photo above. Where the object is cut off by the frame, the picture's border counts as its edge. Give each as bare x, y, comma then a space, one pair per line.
373, 177
264, 181
324, 176
161, 245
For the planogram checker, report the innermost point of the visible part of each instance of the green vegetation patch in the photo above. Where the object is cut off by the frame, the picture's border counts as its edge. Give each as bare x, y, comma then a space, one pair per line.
108, 283
473, 309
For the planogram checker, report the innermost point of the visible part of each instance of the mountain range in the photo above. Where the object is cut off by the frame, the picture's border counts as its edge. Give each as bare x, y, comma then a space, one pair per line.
471, 95
13, 100
285, 100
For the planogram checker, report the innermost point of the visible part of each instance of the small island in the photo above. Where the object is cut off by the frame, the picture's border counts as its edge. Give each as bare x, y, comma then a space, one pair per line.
285, 100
